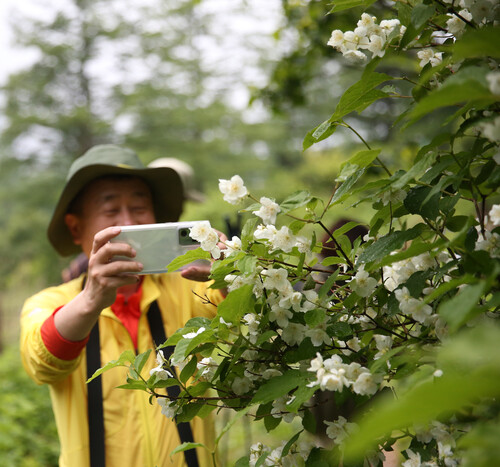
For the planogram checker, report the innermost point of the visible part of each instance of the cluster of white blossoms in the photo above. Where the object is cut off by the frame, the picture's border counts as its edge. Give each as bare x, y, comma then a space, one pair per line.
478, 11
368, 35
413, 307
398, 273
281, 239
208, 238
445, 441
333, 374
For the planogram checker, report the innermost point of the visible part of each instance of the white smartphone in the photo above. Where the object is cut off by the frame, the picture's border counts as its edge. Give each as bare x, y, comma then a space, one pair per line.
157, 244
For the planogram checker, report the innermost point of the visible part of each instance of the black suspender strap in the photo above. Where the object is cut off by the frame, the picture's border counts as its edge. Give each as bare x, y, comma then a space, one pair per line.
94, 403
158, 332
94, 390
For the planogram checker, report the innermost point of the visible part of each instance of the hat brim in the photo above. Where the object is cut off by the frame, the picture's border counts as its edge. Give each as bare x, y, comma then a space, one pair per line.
166, 190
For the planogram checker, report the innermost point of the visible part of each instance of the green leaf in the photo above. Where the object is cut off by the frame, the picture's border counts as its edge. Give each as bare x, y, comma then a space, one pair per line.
277, 387
186, 447
417, 202
237, 303
290, 442
416, 170
296, 200
133, 384
360, 95
186, 258
141, 360
481, 42
321, 132
126, 357
385, 245
188, 370
415, 249
420, 14
341, 5
468, 85
458, 310
325, 288
344, 191
362, 158
314, 317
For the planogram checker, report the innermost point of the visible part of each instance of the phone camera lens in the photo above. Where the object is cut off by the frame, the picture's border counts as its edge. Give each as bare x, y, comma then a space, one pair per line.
184, 233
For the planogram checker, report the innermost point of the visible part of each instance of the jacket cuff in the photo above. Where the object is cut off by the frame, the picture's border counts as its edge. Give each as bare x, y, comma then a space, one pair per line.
56, 344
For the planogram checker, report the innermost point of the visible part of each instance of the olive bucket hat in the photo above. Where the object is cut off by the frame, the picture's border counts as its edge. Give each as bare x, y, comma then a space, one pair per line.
164, 182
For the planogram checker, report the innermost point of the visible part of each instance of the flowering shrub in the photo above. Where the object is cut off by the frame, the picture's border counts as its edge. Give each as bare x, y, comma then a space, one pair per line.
409, 311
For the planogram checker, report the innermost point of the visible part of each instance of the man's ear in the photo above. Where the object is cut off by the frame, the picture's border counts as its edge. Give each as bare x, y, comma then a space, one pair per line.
73, 223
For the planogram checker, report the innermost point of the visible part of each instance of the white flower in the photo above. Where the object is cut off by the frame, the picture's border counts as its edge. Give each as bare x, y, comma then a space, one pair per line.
208, 366
482, 10
456, 25
429, 56
365, 384
417, 309
277, 279
318, 336
388, 25
356, 40
271, 373
192, 335
233, 246
491, 129
293, 333
268, 210
494, 82
367, 22
283, 240
336, 39
339, 429
303, 244
355, 56
256, 450
402, 296
376, 46
383, 344
200, 231
167, 408
159, 371
494, 214
362, 283
208, 238
413, 459
241, 385
233, 190
252, 321
280, 315
265, 232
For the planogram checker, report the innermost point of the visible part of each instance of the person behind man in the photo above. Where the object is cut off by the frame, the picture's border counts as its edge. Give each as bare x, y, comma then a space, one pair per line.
107, 187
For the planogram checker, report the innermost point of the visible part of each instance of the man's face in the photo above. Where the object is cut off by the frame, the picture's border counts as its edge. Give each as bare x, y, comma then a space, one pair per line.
108, 202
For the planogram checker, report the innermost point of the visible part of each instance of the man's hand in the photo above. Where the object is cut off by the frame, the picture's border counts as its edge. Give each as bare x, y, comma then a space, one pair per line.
105, 275
201, 273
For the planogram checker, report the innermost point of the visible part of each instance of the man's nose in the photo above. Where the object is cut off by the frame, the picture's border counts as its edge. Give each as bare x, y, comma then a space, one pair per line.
126, 217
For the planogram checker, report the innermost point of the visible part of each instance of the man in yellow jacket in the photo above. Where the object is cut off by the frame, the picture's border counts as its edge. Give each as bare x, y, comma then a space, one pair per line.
105, 188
